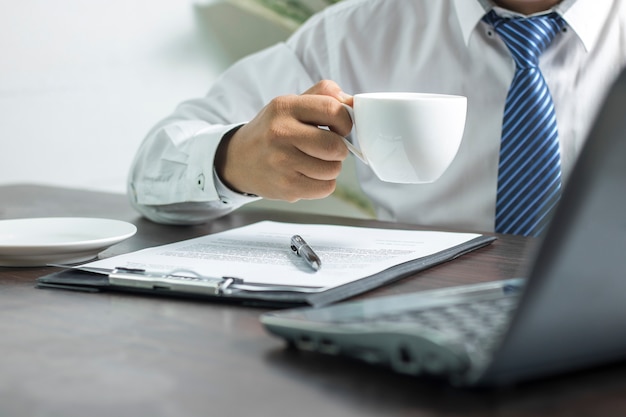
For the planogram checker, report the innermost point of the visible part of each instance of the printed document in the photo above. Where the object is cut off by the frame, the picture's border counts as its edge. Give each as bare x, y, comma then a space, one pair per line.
261, 253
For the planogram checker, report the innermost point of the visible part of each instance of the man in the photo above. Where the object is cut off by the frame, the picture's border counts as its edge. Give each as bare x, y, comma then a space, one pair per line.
255, 134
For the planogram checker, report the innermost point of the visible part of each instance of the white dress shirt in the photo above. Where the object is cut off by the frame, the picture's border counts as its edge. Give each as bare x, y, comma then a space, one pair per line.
380, 45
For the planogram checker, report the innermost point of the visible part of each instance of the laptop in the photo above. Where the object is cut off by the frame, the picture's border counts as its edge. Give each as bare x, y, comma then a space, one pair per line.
568, 313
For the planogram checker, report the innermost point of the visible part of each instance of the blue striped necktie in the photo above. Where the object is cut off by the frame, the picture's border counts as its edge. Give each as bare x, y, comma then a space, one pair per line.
529, 171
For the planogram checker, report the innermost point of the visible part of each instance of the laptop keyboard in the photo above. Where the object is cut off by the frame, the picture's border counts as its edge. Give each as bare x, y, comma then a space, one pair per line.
477, 324
480, 322
472, 320
451, 334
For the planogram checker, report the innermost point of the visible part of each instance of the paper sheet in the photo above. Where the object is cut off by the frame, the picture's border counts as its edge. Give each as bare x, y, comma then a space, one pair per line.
260, 253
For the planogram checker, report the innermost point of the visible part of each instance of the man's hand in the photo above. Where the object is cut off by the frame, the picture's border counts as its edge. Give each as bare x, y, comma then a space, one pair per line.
282, 153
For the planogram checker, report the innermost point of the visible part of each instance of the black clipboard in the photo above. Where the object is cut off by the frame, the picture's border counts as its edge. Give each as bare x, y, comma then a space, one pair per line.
227, 289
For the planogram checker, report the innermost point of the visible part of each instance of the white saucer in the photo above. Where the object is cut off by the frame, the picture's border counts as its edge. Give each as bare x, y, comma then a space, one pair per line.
58, 240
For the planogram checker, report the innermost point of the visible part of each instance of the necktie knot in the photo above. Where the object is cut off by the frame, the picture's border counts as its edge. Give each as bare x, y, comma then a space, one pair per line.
526, 38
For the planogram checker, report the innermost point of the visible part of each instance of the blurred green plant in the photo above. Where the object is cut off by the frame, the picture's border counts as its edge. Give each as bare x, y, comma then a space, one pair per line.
296, 10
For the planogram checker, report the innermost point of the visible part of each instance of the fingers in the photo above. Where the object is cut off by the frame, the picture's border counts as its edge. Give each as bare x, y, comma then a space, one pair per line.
314, 110
331, 89
320, 143
293, 159
282, 153
274, 168
297, 176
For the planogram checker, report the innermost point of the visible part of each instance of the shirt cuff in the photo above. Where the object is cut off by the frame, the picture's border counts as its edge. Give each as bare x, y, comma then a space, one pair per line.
230, 197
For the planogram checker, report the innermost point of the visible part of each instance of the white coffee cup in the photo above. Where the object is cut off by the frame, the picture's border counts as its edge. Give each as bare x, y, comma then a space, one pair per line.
407, 137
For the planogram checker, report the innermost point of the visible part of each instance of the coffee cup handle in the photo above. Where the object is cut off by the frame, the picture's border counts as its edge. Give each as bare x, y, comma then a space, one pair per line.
356, 152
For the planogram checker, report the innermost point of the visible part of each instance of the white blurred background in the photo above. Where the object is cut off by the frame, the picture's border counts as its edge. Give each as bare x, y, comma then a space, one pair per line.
81, 82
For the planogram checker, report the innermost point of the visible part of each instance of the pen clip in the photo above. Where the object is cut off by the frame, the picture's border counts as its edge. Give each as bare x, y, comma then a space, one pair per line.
297, 243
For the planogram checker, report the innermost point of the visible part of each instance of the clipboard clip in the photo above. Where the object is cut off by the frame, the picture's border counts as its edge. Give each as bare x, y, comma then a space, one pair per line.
180, 279
186, 280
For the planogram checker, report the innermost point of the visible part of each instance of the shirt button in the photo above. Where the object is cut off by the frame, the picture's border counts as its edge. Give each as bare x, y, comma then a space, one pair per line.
200, 181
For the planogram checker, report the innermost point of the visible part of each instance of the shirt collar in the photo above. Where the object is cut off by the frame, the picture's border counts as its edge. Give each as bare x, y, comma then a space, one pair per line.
585, 17
469, 14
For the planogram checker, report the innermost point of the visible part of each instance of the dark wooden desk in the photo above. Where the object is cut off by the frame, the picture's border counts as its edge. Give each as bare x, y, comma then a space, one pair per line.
67, 354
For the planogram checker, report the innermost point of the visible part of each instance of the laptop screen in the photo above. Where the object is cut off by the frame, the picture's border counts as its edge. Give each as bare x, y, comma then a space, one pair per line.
574, 306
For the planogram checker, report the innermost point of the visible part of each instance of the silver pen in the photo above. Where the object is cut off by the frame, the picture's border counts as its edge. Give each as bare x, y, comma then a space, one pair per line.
301, 248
